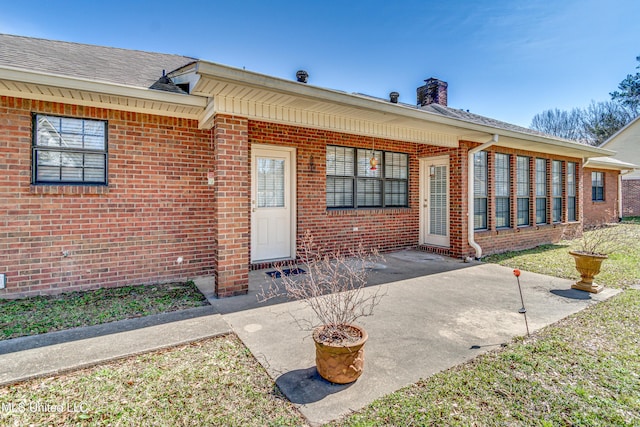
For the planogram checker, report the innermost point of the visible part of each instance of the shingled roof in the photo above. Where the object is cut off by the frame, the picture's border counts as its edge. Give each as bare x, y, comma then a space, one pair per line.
98, 63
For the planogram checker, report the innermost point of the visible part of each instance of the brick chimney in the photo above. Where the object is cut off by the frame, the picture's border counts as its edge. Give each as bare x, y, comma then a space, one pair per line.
433, 92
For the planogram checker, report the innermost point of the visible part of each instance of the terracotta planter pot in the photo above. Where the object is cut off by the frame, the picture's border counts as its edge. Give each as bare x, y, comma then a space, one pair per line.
588, 265
338, 363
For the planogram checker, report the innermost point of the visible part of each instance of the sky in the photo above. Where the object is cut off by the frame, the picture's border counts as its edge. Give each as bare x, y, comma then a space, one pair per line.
507, 60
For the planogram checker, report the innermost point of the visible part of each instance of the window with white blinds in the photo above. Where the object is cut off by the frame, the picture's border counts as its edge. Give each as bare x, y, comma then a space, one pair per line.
522, 190
270, 191
69, 151
503, 192
352, 182
541, 191
480, 190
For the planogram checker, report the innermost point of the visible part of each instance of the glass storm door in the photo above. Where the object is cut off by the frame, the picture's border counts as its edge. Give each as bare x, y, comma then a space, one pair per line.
435, 202
271, 204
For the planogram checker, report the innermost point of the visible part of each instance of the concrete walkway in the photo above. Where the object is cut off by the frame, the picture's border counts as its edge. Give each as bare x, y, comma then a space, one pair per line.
437, 313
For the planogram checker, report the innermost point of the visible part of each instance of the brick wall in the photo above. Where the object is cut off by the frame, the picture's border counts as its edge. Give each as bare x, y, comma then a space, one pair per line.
598, 212
157, 207
631, 197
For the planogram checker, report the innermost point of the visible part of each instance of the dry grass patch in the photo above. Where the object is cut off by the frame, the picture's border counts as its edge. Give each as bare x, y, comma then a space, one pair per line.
216, 382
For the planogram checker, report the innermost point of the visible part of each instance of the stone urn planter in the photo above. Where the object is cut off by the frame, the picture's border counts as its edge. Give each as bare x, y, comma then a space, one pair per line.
340, 360
588, 265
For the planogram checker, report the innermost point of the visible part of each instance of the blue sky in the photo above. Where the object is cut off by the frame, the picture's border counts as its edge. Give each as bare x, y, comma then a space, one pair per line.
503, 59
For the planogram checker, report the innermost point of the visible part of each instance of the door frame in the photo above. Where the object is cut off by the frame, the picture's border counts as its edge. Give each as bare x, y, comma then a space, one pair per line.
292, 196
425, 163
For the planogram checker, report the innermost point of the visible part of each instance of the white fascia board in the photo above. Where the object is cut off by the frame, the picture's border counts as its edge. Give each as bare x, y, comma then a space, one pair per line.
25, 76
261, 81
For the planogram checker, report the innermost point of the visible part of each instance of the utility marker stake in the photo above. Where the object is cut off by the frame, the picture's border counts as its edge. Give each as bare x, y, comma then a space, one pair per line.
523, 310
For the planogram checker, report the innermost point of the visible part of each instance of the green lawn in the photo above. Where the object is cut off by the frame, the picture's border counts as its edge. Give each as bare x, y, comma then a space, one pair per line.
619, 271
36, 315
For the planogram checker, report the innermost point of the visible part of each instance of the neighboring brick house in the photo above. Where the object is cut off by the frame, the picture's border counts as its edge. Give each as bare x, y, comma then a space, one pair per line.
126, 167
626, 144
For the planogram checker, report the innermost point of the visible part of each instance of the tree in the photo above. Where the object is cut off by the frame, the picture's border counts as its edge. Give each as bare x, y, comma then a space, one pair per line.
629, 92
603, 119
599, 121
591, 125
563, 124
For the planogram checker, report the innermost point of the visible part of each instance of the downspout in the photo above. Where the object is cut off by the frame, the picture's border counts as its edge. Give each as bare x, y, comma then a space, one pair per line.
470, 205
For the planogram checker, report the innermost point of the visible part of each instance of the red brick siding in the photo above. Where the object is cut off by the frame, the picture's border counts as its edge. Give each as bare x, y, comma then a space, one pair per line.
157, 207
631, 197
598, 212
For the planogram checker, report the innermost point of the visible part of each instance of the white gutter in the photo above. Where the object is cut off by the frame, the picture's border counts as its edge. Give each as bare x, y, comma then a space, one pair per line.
470, 204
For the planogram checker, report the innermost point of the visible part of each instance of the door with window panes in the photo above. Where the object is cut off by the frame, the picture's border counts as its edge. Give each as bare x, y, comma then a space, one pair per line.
434, 206
272, 203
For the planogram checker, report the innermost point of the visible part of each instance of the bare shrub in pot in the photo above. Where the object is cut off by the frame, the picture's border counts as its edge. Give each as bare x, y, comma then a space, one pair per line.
333, 287
592, 248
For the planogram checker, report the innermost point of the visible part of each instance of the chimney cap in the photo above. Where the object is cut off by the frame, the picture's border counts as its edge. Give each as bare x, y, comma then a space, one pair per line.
302, 76
393, 97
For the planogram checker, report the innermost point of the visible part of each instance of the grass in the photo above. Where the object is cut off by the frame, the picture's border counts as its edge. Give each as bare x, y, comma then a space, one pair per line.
619, 271
216, 382
631, 219
37, 315
582, 371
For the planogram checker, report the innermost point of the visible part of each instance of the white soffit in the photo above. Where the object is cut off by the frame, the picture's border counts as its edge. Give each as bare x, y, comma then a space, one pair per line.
264, 98
46, 87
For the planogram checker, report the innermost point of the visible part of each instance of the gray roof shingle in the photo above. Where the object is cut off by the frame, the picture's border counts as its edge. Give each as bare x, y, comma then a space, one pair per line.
99, 63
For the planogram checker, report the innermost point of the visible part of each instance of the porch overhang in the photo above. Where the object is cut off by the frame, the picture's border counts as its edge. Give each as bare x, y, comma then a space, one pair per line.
256, 96
609, 163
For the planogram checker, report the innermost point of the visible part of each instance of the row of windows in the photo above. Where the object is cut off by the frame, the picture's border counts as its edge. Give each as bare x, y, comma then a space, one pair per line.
502, 191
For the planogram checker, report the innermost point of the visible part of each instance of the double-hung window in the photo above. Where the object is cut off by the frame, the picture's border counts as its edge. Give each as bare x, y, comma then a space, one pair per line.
353, 183
571, 192
541, 191
597, 186
480, 190
522, 190
503, 199
69, 151
556, 190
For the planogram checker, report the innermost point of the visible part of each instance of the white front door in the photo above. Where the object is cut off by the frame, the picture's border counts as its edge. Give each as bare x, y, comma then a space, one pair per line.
434, 198
272, 203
